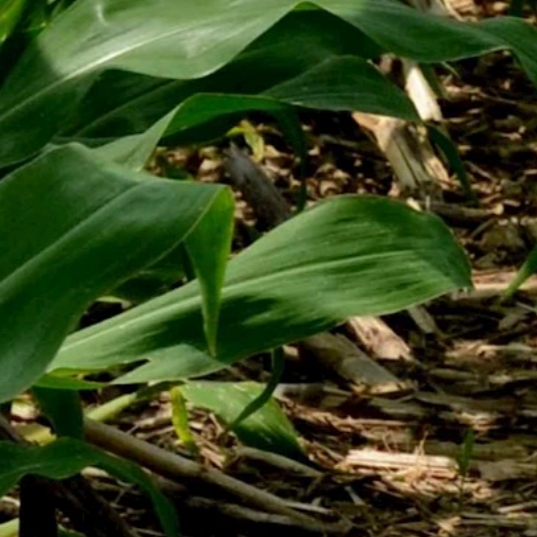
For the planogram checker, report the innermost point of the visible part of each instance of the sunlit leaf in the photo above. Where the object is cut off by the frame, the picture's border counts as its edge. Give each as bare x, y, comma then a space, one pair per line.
267, 429
349, 256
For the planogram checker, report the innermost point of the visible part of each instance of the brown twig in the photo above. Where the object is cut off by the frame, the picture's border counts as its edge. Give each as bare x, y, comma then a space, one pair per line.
173, 466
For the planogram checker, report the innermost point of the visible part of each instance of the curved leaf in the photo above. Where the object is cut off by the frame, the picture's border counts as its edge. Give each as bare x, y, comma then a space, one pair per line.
10, 14
340, 83
187, 40
67, 457
121, 103
72, 227
349, 256
208, 247
268, 428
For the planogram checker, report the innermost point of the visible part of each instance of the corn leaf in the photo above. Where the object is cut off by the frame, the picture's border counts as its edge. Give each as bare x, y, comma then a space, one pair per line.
187, 40
67, 457
267, 429
348, 256
72, 228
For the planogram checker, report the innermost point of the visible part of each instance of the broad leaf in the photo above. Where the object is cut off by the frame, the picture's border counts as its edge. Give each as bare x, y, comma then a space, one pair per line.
345, 83
122, 103
67, 457
187, 40
63, 408
350, 256
267, 429
340, 83
72, 227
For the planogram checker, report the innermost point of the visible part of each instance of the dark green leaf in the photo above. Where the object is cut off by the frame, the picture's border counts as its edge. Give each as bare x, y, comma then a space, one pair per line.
346, 83
57, 382
348, 256
122, 103
64, 409
10, 13
208, 247
73, 227
67, 457
278, 364
187, 40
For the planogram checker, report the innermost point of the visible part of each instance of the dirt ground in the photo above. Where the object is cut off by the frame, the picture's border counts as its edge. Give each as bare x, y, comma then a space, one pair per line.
450, 449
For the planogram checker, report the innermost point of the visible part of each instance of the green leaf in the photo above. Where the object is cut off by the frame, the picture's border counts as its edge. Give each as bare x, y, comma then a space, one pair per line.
134, 151
278, 364
57, 382
67, 457
182, 40
122, 103
64, 409
346, 83
466, 450
10, 13
73, 227
342, 83
267, 429
155, 279
188, 40
180, 420
348, 256
526, 271
208, 247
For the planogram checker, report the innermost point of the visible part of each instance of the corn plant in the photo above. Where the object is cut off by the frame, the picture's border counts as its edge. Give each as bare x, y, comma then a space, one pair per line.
88, 90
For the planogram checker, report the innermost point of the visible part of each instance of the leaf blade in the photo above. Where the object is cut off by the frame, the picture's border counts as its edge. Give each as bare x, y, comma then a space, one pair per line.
346, 262
87, 226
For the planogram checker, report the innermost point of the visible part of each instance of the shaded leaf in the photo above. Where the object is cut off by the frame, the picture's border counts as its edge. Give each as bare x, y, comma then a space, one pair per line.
122, 103
278, 364
267, 429
10, 13
188, 40
348, 256
208, 247
57, 382
346, 83
64, 409
66, 457
86, 226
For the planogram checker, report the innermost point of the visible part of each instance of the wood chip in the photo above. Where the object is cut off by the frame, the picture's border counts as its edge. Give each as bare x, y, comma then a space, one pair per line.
430, 464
